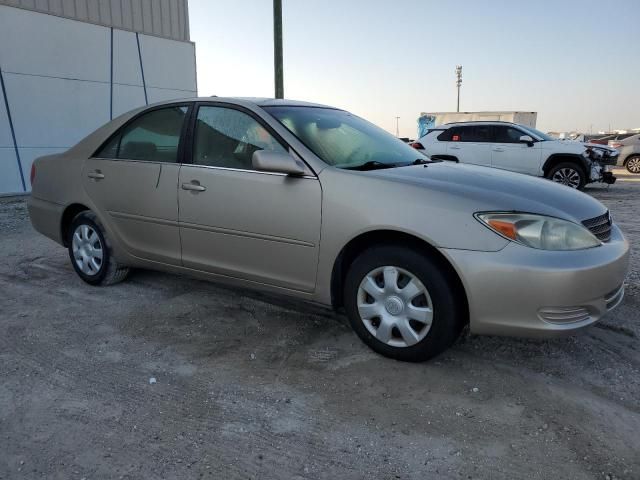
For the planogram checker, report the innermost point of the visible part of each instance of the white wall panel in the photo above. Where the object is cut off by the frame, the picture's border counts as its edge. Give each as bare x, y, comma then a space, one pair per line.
5, 130
168, 64
125, 98
34, 43
126, 62
50, 112
9, 173
161, 94
57, 75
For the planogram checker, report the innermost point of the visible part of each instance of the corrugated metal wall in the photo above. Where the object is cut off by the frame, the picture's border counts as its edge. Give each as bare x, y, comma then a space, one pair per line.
163, 18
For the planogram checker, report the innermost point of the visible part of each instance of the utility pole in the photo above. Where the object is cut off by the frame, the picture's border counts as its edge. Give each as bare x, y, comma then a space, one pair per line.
397, 127
458, 83
277, 48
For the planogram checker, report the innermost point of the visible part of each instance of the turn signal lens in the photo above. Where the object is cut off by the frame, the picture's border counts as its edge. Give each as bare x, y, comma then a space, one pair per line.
539, 231
505, 228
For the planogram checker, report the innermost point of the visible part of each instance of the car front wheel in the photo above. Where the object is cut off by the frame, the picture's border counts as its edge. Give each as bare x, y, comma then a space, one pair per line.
633, 164
568, 174
91, 253
403, 304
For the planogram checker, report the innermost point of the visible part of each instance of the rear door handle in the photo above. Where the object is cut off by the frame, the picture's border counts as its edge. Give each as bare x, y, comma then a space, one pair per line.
97, 175
498, 149
194, 186
455, 148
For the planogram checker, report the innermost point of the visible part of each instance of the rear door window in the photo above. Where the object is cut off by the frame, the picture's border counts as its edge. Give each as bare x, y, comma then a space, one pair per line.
468, 133
153, 136
453, 134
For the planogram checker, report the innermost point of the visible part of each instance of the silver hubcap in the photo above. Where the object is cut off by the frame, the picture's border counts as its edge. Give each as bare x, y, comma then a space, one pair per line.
633, 165
395, 306
568, 177
87, 250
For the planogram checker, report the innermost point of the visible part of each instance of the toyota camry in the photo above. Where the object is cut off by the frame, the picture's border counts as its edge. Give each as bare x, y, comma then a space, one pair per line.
316, 203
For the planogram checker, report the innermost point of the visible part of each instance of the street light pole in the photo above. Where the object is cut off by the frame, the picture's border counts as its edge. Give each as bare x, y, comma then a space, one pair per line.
458, 83
397, 127
277, 48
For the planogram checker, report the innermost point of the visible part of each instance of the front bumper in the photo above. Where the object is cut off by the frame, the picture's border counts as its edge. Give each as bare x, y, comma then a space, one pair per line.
522, 291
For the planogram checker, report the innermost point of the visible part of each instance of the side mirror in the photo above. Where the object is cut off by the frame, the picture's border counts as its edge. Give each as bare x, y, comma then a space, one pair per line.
276, 162
527, 139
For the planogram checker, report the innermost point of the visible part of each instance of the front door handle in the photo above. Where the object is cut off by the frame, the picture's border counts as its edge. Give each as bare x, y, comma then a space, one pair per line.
194, 186
97, 175
498, 149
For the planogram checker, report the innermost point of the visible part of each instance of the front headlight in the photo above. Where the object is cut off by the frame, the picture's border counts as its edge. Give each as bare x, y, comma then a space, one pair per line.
539, 231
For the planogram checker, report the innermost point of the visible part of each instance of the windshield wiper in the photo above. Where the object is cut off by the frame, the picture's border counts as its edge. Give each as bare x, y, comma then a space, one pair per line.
371, 165
420, 161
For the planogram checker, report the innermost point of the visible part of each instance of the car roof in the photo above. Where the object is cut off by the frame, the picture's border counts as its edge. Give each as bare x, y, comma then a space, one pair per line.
259, 101
478, 122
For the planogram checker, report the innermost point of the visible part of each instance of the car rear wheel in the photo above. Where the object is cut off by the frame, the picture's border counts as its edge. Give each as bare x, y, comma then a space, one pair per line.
568, 174
402, 304
91, 253
633, 164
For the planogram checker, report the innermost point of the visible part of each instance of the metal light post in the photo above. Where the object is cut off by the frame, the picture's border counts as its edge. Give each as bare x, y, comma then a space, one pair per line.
277, 48
458, 83
397, 127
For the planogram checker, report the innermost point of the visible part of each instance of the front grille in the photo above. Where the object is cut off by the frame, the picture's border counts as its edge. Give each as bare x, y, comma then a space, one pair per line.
600, 226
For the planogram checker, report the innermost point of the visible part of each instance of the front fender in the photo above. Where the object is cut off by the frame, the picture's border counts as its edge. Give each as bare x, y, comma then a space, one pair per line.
556, 158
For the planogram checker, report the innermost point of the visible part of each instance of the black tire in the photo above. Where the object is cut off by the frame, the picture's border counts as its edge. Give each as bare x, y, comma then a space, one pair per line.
565, 167
448, 305
633, 164
109, 271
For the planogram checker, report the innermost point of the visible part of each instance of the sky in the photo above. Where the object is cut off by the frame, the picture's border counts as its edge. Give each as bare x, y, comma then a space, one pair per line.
576, 63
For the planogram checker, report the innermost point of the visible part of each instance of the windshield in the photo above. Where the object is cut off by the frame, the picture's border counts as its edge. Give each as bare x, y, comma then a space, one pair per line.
344, 140
537, 133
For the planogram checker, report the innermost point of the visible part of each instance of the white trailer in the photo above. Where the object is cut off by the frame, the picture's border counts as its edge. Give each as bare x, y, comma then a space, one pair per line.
438, 118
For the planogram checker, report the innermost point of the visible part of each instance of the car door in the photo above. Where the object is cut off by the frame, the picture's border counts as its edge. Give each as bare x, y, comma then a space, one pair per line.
239, 222
470, 144
133, 180
509, 153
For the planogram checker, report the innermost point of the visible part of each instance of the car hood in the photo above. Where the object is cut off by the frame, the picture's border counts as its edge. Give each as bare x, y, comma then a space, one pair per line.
491, 189
563, 146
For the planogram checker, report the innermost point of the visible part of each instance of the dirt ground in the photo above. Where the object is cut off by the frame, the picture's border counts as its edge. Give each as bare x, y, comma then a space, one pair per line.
250, 386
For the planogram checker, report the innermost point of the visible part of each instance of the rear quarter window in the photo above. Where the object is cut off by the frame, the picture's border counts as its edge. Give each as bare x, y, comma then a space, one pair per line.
447, 135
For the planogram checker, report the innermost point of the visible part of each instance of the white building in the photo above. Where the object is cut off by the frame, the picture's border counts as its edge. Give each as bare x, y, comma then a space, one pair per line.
69, 66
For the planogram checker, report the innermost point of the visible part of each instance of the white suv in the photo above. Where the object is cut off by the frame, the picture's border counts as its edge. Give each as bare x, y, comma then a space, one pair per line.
521, 149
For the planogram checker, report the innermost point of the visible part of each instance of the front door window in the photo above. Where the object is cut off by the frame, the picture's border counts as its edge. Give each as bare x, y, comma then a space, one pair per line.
225, 137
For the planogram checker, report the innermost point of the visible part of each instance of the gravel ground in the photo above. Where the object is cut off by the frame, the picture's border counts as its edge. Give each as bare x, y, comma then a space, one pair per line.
169, 377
